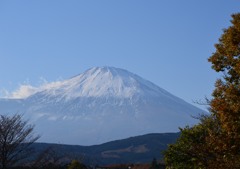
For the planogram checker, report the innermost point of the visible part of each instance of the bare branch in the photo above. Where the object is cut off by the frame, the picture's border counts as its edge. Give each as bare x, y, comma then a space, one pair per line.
16, 136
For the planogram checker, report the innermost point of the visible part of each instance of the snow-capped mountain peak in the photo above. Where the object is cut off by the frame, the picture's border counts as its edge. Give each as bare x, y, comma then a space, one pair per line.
102, 104
101, 82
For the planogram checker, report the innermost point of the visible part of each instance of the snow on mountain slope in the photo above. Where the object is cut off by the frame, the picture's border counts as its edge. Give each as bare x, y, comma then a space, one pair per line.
101, 82
102, 104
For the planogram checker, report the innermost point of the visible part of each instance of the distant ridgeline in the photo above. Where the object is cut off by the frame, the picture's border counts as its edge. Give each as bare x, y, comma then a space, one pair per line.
140, 149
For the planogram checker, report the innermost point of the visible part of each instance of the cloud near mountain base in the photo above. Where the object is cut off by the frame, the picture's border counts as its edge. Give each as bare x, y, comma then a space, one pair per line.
26, 90
23, 92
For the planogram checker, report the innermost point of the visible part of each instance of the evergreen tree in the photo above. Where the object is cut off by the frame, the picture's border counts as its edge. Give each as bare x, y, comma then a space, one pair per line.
154, 164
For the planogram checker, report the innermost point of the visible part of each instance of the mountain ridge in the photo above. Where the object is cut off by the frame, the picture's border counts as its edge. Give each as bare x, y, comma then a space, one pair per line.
137, 149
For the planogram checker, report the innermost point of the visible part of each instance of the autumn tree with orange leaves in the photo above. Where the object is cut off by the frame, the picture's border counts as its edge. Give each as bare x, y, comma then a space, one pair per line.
225, 104
215, 142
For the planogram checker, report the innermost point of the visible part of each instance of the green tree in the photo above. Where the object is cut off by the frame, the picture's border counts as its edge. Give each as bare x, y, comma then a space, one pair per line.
76, 165
192, 149
215, 141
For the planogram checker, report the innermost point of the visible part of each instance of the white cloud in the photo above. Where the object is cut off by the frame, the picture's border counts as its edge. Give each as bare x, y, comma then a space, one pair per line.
23, 92
51, 85
26, 89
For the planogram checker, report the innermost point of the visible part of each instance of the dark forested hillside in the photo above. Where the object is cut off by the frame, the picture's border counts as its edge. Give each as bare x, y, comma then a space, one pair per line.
139, 149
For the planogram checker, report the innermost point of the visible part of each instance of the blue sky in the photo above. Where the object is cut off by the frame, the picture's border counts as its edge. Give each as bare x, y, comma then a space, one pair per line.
164, 41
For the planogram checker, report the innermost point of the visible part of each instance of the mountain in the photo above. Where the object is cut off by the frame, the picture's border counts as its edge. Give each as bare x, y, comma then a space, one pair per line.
138, 149
100, 105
